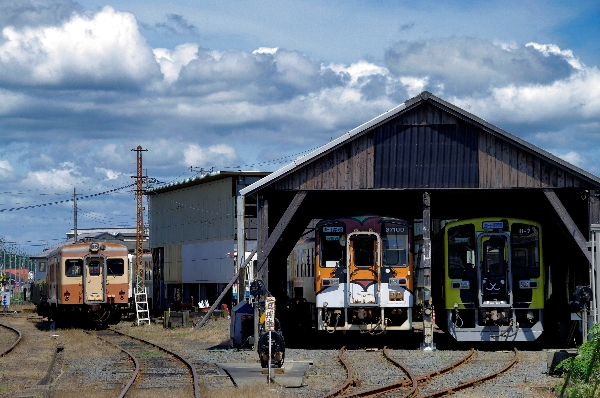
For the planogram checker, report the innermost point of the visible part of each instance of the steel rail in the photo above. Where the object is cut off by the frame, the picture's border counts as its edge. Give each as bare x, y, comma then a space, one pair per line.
20, 336
188, 364
411, 381
349, 376
472, 382
135, 361
389, 387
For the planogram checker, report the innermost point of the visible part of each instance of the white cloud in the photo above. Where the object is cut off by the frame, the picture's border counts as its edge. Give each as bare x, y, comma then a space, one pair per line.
217, 155
110, 174
553, 49
573, 158
415, 85
359, 69
61, 179
6, 170
577, 95
265, 50
171, 62
104, 50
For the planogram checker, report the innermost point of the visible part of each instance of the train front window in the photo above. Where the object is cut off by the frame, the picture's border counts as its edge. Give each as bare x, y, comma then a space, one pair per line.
333, 245
461, 250
363, 248
94, 268
525, 243
73, 267
395, 245
116, 266
493, 259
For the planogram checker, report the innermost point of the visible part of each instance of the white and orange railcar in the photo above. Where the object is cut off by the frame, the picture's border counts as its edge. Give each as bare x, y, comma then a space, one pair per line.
87, 281
364, 274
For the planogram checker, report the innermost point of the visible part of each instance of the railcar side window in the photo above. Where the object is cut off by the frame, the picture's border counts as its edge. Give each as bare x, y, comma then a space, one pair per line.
525, 242
395, 245
94, 268
461, 250
115, 266
333, 246
73, 267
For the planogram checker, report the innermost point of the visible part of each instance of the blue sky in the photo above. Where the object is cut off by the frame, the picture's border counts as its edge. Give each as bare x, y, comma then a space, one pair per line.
238, 84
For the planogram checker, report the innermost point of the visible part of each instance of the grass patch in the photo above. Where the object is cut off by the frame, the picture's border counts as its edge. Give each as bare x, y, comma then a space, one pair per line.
583, 371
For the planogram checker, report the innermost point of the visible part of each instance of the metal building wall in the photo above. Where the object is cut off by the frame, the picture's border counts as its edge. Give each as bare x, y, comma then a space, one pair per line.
196, 214
209, 262
172, 267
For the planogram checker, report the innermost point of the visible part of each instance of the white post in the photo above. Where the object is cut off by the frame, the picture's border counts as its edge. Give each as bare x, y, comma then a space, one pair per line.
241, 246
269, 374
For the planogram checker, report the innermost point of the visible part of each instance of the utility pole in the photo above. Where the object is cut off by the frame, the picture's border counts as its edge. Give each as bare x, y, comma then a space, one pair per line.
139, 219
140, 295
74, 215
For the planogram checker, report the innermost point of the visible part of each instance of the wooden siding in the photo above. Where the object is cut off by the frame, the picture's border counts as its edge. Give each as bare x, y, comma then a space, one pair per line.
348, 167
504, 165
426, 156
428, 147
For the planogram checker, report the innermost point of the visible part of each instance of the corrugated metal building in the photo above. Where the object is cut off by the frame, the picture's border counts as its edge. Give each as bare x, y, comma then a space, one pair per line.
193, 237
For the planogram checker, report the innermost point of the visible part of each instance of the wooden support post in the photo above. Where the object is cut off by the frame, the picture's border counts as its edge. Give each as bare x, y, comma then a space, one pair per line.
267, 242
427, 310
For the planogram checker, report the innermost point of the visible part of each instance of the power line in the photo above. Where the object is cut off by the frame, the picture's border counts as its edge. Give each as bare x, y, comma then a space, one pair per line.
66, 200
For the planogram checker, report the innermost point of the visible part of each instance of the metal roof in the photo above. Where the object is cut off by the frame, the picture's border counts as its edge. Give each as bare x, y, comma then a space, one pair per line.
203, 178
423, 97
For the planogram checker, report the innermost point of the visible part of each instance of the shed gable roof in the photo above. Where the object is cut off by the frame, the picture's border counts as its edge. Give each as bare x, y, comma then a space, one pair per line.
426, 142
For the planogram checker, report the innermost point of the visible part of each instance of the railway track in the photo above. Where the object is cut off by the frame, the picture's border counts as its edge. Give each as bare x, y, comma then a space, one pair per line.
7, 338
406, 386
156, 368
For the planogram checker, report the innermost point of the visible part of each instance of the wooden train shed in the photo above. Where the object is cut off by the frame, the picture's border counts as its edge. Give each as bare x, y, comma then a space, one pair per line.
430, 160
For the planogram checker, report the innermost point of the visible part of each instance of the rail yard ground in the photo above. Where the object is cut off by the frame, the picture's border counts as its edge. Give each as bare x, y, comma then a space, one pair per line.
86, 366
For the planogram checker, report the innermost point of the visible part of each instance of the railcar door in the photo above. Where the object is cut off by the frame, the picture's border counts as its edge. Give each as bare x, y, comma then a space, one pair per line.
363, 268
494, 266
94, 280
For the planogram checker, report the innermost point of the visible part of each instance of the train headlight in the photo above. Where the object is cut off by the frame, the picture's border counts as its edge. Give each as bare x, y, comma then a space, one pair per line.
330, 282
397, 282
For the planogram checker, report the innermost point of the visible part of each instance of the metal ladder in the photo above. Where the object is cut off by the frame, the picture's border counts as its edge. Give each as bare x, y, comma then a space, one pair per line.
141, 306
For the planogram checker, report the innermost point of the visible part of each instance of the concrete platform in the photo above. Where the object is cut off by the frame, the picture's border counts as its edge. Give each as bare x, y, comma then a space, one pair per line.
251, 373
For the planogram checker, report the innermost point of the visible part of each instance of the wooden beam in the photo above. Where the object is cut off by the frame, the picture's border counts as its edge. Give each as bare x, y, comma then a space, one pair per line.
278, 231
231, 282
568, 222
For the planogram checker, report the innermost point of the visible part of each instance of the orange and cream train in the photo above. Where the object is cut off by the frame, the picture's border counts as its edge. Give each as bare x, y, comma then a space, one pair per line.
363, 274
88, 281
